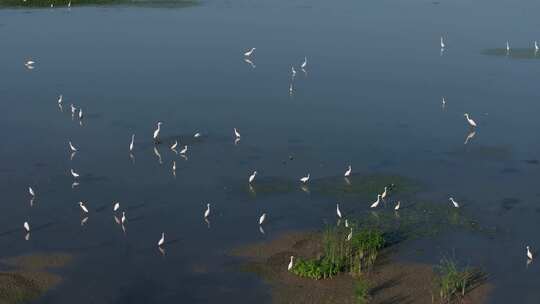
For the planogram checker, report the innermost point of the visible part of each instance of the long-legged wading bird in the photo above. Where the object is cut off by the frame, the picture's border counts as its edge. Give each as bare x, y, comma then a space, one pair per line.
161, 240
31, 191
398, 205
83, 207
338, 212
442, 43
252, 177
291, 263
376, 203
348, 172
26, 226
207, 211
262, 218
454, 203
72, 147
304, 64
471, 122
305, 179
249, 53
74, 174
157, 131
132, 143
116, 206
529, 253
236, 133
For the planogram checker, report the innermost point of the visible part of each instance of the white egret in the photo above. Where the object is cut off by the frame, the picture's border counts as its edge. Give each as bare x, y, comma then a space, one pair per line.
456, 205
132, 143
80, 113
31, 191
383, 195
349, 236
157, 131
376, 203
262, 218
248, 53
291, 263
183, 151
529, 253
471, 122
173, 147
26, 226
69, 4
116, 206
346, 223
293, 71
398, 205
161, 240
29, 62
74, 174
83, 207
304, 64
536, 48
72, 147
252, 177
305, 179
507, 46
123, 220
291, 88
348, 172
338, 212
442, 43
197, 135
174, 165
60, 98
73, 109
443, 102
207, 211
236, 133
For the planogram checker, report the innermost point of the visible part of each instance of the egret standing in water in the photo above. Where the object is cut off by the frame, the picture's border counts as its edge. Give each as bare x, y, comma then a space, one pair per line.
236, 133
305, 179
442, 43
262, 219
383, 195
161, 240
338, 212
132, 143
471, 122
291, 263
116, 206
397, 206
293, 72
173, 147
197, 135
183, 151
207, 212
80, 114
60, 99
252, 177
529, 253
74, 174
72, 147
349, 236
31, 191
443, 102
451, 199
249, 53
157, 131
304, 64
83, 207
174, 166
507, 47
376, 203
123, 220
536, 48
348, 172
27, 227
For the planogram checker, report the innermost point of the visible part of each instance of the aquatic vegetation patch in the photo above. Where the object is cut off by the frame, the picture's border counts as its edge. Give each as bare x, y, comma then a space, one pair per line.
453, 281
361, 291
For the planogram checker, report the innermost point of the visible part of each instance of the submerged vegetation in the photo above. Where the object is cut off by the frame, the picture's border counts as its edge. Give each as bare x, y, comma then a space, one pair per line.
454, 282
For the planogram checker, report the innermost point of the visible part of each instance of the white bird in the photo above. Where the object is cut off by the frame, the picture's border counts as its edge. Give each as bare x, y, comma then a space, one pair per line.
348, 172
123, 217
346, 223
156, 132
291, 88
471, 122
293, 71
291, 264
252, 177
31, 191
73, 109
60, 98
529, 253
349, 237
69, 4
173, 147
161, 240
442, 43
456, 205
383, 195
443, 102
262, 218
197, 135
376, 203
26, 226
248, 53
183, 151
236, 133
74, 174
80, 113
116, 206
174, 165
83, 207
73, 149
132, 143
338, 212
207, 212
305, 179
304, 64
397, 206
507, 46
536, 48
30, 62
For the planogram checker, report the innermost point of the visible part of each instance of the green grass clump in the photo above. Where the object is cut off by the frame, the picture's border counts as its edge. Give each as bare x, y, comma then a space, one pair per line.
315, 269
453, 281
362, 291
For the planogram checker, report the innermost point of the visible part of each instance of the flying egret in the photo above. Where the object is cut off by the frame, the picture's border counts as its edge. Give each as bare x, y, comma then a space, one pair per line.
471, 122
27, 227
338, 212
236, 133
529, 253
304, 64
248, 53
173, 147
349, 236
293, 71
157, 131
207, 212
305, 179
72, 147
132, 143
348, 172
60, 98
74, 174
442, 43
262, 219
291, 263
197, 135
456, 205
31, 191
397, 206
83, 207
183, 151
116, 206
123, 217
252, 177
161, 240
376, 203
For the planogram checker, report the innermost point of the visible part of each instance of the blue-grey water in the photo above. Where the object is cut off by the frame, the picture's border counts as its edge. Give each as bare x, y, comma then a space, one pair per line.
371, 98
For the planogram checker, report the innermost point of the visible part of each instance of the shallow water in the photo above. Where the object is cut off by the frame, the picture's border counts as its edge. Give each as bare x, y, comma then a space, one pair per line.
371, 98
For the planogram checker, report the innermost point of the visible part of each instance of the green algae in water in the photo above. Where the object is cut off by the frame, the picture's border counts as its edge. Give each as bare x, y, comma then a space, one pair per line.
513, 54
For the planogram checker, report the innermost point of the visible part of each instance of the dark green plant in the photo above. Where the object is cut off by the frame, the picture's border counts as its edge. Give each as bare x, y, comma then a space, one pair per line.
361, 291
315, 269
453, 281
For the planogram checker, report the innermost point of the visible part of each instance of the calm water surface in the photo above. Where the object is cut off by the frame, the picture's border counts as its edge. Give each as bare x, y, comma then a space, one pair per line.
371, 98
